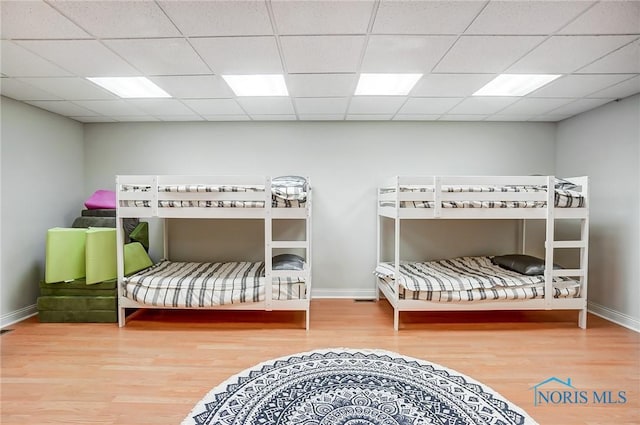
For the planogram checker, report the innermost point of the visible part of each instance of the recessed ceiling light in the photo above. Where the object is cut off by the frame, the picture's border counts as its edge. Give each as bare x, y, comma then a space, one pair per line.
130, 87
386, 84
515, 84
257, 85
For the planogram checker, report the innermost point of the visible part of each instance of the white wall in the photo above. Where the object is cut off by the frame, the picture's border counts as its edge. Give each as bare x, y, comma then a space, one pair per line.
345, 161
605, 145
42, 187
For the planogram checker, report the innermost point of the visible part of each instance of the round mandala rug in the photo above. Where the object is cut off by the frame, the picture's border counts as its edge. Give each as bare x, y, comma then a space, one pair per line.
353, 387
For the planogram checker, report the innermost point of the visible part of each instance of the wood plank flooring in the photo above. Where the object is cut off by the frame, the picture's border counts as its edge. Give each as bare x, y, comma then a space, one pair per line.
155, 369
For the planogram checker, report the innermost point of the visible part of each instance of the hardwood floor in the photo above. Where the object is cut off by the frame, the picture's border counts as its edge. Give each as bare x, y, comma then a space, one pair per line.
155, 369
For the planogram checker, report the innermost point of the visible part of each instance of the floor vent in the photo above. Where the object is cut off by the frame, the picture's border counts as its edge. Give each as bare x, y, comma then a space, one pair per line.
3, 331
365, 300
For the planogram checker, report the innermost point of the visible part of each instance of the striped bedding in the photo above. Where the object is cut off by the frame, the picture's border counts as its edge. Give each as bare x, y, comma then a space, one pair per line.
468, 279
570, 290
190, 284
287, 192
563, 198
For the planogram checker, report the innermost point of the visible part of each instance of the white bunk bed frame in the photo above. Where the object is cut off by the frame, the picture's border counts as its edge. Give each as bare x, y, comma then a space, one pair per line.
266, 213
549, 213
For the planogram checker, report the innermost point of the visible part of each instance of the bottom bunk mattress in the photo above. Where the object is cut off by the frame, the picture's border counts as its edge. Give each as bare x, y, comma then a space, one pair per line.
468, 279
202, 285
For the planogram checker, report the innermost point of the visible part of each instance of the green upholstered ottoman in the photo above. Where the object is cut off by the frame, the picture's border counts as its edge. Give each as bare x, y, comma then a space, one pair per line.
76, 301
65, 254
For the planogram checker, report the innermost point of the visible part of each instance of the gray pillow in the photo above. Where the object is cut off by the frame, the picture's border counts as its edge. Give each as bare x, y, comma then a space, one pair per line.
524, 264
287, 262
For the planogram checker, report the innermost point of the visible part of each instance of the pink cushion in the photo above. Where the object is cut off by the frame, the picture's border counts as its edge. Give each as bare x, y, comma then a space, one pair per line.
101, 199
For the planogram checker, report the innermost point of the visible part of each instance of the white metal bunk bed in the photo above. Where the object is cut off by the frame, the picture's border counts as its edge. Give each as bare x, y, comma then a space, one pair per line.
257, 286
485, 197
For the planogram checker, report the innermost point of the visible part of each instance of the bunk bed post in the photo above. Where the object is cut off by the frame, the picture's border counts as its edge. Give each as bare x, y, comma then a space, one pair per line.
378, 241
584, 256
523, 236
549, 243
396, 258
268, 247
119, 258
308, 256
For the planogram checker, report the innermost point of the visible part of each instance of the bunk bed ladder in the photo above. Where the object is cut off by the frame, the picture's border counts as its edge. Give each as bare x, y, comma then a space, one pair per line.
551, 245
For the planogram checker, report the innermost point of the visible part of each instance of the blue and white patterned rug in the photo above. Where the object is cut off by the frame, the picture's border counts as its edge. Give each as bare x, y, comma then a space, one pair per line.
353, 387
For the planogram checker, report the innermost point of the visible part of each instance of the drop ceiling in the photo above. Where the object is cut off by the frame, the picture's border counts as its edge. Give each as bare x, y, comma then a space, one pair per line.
321, 47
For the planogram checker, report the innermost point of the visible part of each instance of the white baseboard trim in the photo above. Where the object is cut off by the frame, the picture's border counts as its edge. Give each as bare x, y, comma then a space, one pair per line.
366, 294
18, 315
614, 316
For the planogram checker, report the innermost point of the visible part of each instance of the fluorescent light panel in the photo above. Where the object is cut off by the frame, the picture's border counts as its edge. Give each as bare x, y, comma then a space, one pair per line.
386, 84
257, 85
515, 84
130, 87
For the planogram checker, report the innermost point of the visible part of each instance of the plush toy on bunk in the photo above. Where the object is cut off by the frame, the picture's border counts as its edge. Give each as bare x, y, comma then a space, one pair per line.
80, 264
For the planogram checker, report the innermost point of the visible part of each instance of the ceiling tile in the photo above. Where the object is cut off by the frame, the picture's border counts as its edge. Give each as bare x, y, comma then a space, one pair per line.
321, 85
369, 117
416, 117
405, 53
319, 54
62, 107
15, 89
35, 19
526, 17
625, 59
620, 90
607, 17
117, 107
214, 18
85, 58
482, 105
463, 117
429, 105
266, 105
579, 85
214, 106
19, 62
321, 117
322, 105
578, 106
375, 105
69, 88
425, 17
194, 86
227, 117
564, 54
322, 17
161, 106
118, 19
259, 54
479, 53
530, 106
259, 117
456, 85
165, 56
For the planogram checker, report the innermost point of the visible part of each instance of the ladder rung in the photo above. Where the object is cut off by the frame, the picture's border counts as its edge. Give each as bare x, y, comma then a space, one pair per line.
568, 272
569, 244
289, 244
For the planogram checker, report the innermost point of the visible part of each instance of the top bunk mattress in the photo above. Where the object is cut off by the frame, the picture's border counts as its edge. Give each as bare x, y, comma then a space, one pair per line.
521, 192
286, 192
